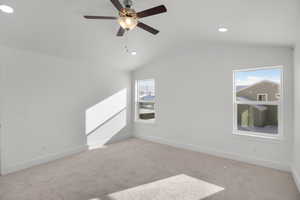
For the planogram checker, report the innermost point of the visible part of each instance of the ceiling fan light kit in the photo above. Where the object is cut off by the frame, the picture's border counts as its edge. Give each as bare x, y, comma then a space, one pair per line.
129, 19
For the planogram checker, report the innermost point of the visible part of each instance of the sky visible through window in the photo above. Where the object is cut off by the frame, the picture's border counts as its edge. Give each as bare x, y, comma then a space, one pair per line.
247, 78
146, 88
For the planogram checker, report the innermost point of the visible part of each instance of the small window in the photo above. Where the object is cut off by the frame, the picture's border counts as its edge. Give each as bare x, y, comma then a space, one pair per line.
145, 100
257, 102
262, 97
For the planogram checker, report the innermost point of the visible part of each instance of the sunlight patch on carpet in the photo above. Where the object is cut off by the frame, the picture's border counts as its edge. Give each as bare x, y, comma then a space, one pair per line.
180, 187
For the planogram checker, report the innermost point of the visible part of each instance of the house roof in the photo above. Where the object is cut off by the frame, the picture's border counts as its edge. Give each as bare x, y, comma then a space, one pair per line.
260, 82
148, 98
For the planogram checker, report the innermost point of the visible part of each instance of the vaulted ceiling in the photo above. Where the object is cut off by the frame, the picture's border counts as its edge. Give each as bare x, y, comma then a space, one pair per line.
57, 27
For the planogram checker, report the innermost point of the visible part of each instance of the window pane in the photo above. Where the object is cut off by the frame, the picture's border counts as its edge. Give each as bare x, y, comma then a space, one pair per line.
257, 118
146, 90
146, 100
146, 110
258, 85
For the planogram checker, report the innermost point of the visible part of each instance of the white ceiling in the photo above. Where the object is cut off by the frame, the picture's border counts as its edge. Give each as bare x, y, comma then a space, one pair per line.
57, 27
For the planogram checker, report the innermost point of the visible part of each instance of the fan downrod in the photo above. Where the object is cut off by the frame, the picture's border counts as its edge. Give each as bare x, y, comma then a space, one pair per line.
128, 3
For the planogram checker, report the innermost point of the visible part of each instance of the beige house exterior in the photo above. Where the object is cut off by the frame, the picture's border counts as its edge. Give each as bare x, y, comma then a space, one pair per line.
268, 88
258, 115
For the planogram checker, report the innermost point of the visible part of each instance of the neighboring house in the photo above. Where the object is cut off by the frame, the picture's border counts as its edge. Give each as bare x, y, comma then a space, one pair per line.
261, 91
258, 115
146, 107
148, 98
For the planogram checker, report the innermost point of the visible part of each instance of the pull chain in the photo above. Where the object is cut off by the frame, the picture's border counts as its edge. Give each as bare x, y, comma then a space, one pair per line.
127, 49
126, 42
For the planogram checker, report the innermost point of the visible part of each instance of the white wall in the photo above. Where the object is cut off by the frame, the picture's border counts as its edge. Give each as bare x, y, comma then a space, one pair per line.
104, 110
194, 101
296, 156
44, 104
296, 161
1, 108
105, 119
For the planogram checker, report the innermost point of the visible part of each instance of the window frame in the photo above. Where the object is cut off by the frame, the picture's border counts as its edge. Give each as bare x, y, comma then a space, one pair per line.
137, 101
279, 103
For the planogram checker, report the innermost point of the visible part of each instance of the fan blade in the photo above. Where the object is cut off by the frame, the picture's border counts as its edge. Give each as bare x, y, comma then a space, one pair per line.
117, 4
99, 17
121, 32
152, 11
147, 28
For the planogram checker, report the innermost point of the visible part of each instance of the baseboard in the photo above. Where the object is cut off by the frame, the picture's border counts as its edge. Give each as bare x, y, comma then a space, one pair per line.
42, 160
228, 155
296, 177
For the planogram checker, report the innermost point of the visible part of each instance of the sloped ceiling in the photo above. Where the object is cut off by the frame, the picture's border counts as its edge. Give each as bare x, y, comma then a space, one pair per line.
57, 27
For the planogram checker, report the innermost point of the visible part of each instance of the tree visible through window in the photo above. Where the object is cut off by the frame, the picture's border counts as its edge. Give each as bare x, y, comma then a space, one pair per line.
257, 101
145, 100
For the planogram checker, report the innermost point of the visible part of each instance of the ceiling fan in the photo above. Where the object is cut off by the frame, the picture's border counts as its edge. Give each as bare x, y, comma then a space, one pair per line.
129, 18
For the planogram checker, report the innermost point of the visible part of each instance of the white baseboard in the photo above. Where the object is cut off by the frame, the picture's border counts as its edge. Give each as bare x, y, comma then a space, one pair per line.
296, 177
228, 155
42, 160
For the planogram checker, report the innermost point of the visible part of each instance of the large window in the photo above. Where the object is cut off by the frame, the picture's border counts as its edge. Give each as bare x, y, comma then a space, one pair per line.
257, 102
145, 100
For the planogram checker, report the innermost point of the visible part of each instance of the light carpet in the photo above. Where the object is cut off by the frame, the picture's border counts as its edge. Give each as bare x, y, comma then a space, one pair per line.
181, 187
93, 175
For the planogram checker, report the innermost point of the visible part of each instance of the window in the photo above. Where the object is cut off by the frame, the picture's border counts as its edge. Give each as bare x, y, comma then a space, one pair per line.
145, 100
262, 97
257, 102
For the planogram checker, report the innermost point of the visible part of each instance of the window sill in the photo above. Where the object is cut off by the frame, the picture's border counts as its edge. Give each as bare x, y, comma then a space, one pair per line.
145, 121
277, 137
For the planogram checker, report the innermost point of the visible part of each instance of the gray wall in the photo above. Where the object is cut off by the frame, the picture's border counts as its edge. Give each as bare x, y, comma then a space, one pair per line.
194, 101
44, 103
296, 161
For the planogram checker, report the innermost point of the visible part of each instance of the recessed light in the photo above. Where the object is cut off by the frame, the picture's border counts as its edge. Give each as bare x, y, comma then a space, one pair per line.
222, 29
6, 9
133, 53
